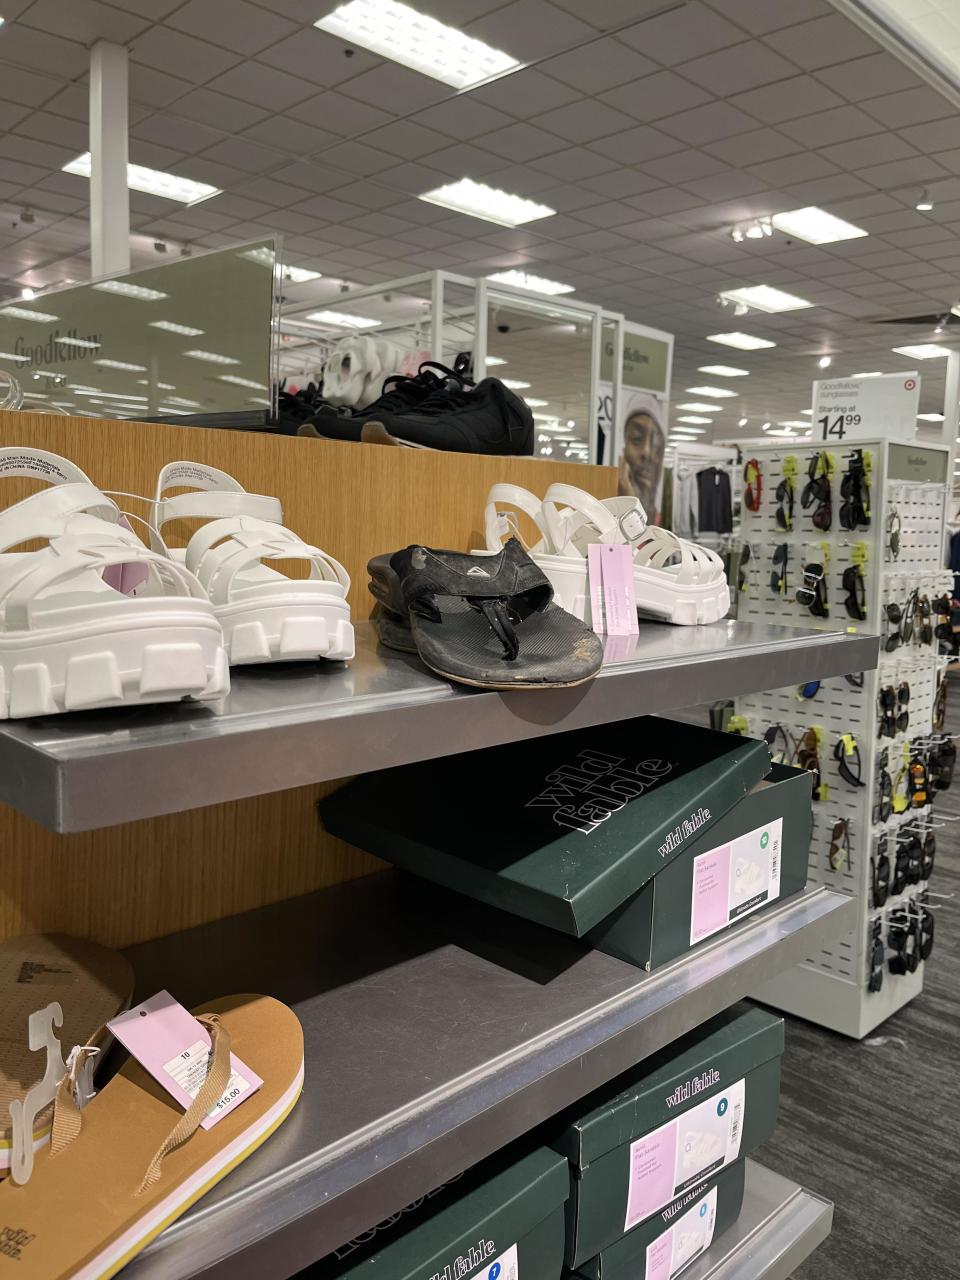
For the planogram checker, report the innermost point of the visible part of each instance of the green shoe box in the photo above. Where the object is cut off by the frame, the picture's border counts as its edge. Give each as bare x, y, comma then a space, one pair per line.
753, 856
656, 1132
503, 1219
560, 830
667, 1243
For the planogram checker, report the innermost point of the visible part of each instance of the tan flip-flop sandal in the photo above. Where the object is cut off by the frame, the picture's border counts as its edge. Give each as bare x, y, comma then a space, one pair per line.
133, 1161
91, 984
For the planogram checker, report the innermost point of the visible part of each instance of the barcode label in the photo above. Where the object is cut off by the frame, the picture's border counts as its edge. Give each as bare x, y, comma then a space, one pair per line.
189, 1070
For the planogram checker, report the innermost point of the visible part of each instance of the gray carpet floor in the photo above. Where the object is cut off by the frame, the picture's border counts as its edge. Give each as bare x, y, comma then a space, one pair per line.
875, 1125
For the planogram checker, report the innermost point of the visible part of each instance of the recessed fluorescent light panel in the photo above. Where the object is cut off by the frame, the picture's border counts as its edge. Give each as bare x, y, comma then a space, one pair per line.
492, 360
925, 351
794, 422
340, 320
480, 201
763, 297
816, 226
724, 370
876, 374
23, 313
742, 341
536, 284
9, 355
240, 382
721, 393
514, 384
211, 357
127, 290
694, 419
930, 417
153, 181
695, 406
170, 327
536, 404
121, 364
77, 342
399, 32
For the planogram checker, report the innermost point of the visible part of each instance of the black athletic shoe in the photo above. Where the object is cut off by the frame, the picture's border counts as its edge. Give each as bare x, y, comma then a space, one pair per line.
401, 394
487, 418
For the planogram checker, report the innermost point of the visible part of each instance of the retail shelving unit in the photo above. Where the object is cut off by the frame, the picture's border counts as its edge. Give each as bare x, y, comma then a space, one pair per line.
429, 1043
296, 725
908, 481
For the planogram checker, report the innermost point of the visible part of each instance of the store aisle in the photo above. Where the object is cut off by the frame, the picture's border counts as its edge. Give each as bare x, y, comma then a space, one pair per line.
875, 1125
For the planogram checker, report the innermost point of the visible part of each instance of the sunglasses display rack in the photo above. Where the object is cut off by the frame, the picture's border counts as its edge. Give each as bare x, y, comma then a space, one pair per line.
808, 567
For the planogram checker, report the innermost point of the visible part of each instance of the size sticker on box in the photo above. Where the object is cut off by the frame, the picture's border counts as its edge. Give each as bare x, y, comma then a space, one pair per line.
174, 1047
683, 1152
685, 1240
735, 879
505, 1267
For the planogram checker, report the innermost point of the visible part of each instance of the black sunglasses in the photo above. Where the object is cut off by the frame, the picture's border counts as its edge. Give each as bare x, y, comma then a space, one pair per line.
786, 494
778, 577
812, 594
855, 586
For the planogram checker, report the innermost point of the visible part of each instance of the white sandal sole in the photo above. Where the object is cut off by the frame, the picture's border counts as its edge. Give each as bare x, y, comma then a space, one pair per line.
686, 605
287, 632
135, 662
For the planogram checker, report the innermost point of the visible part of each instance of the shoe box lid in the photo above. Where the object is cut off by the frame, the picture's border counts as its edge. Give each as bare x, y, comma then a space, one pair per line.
560, 830
453, 1231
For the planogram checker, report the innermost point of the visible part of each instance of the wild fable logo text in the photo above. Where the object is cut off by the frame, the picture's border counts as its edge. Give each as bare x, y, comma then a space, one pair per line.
465, 1263
13, 1241
687, 828
690, 1088
585, 792
672, 1210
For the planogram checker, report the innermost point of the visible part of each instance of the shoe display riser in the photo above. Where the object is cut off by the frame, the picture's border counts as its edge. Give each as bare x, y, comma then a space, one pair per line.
830, 987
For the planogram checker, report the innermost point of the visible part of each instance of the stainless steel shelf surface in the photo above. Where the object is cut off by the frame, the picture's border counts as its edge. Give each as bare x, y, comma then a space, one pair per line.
437, 1030
779, 1226
295, 724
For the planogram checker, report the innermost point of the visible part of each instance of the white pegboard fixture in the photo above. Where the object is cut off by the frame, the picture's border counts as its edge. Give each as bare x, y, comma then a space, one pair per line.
908, 489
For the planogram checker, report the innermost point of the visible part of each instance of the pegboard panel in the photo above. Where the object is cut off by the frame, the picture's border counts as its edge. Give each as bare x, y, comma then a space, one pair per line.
918, 510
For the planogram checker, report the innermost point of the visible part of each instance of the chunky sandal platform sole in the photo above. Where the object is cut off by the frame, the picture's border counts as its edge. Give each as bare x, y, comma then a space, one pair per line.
691, 605
285, 634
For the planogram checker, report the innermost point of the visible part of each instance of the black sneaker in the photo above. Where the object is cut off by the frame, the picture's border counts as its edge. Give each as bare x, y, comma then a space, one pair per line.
487, 418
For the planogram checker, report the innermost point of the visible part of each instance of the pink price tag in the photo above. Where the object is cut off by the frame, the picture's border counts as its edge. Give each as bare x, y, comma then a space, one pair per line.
613, 597
174, 1047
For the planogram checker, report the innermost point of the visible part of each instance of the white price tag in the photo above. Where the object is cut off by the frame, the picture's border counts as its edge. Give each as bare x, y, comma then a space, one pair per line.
852, 408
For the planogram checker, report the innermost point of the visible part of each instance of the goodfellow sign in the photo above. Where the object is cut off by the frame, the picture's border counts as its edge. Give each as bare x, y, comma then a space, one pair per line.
59, 347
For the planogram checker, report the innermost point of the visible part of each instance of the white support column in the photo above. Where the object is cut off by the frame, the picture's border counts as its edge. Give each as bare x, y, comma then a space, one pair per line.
951, 412
109, 195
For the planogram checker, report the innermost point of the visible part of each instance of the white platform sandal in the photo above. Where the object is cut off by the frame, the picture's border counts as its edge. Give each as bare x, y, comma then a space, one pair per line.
266, 616
71, 641
676, 580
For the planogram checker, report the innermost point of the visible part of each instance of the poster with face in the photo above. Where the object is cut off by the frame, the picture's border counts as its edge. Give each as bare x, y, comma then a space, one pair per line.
644, 444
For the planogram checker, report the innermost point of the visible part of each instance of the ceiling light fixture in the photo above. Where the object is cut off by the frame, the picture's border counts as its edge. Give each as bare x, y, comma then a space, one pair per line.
21, 313
795, 422
875, 374
816, 226
942, 322
492, 360
930, 417
414, 39
238, 382
489, 203
535, 284
742, 341
169, 327
78, 342
340, 320
514, 384
766, 426
121, 364
924, 203
9, 355
211, 357
719, 393
128, 290
763, 297
28, 294
924, 351
697, 406
695, 419
743, 422
108, 395
825, 362
536, 404
724, 370
152, 181
756, 229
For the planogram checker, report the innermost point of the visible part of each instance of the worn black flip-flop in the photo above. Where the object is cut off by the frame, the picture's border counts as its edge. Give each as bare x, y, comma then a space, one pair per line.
487, 621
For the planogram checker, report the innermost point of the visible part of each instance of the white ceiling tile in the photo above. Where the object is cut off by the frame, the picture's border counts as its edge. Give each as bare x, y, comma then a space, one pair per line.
463, 117
168, 131
234, 24
521, 142
284, 134
242, 154
262, 86
761, 16
737, 69
949, 159
339, 114
602, 64
821, 191
682, 166
406, 140
287, 221
356, 158
203, 169
46, 127
584, 121
52, 201
619, 183
328, 209
822, 42
309, 176
217, 110
840, 124
530, 29
158, 157
27, 88
867, 205
463, 158
25, 48
753, 147
681, 33
934, 136
869, 77
413, 178
316, 56
155, 88
82, 20
902, 220
525, 93
637, 145
575, 164
709, 123
522, 179
395, 89
910, 106
788, 100
612, 213
195, 60
792, 169
866, 151
665, 201
656, 96
726, 186
900, 172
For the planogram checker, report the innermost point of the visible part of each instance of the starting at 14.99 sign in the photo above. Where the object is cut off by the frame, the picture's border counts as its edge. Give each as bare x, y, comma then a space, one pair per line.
885, 405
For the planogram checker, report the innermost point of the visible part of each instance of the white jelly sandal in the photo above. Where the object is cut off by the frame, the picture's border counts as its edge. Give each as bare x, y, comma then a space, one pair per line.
71, 641
266, 616
676, 580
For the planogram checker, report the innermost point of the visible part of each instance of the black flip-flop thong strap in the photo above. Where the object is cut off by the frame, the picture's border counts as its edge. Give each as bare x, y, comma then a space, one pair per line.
501, 619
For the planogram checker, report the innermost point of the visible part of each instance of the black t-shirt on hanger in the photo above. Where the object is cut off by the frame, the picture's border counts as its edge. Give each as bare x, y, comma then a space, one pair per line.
715, 503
